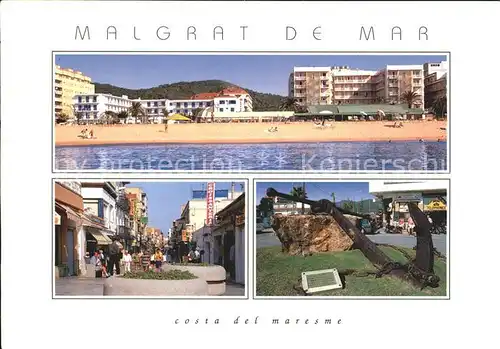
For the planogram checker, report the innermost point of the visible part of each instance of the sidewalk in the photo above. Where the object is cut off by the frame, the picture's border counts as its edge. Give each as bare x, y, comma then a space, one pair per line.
75, 286
83, 287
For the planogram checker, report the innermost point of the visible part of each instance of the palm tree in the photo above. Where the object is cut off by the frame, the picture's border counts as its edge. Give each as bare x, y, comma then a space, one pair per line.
290, 104
61, 118
299, 192
333, 198
77, 113
123, 115
108, 117
137, 110
439, 106
165, 113
409, 97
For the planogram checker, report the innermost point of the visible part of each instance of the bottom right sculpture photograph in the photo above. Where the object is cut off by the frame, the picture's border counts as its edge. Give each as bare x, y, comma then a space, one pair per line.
375, 238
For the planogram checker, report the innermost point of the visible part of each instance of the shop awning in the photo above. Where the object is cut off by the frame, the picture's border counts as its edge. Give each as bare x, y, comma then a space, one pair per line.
70, 213
100, 238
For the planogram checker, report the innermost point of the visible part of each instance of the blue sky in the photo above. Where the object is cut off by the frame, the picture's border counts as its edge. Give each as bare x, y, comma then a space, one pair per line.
165, 199
262, 73
320, 190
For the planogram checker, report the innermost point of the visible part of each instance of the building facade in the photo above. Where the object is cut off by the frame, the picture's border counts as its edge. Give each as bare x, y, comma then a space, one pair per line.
430, 196
67, 84
435, 81
229, 235
138, 212
92, 107
343, 85
99, 199
69, 242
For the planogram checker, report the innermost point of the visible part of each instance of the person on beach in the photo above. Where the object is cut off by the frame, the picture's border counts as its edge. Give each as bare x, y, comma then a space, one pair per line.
92, 134
166, 126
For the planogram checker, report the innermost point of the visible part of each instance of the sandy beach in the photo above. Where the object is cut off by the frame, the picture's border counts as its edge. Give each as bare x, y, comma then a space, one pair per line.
229, 133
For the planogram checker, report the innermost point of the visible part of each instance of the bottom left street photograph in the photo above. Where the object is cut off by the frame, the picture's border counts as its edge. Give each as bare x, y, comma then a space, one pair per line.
149, 239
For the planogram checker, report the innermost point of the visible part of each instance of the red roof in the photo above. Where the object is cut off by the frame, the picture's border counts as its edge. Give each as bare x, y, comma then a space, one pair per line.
227, 92
208, 95
233, 91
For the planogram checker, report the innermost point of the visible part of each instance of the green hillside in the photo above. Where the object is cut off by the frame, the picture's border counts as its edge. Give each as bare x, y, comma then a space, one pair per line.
184, 90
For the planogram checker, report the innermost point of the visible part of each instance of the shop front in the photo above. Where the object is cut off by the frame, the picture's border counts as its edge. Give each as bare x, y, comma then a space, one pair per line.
229, 239
69, 242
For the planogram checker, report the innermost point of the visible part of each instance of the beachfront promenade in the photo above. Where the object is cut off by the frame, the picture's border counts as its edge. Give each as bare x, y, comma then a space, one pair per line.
302, 132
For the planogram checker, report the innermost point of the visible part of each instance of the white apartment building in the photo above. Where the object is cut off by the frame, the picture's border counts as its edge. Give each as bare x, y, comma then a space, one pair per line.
440, 68
229, 100
344, 85
99, 199
353, 86
93, 106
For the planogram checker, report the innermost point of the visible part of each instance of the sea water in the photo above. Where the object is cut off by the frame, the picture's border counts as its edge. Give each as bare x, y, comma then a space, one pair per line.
314, 157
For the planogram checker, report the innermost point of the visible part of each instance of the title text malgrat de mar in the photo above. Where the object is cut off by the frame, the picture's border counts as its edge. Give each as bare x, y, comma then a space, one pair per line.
217, 33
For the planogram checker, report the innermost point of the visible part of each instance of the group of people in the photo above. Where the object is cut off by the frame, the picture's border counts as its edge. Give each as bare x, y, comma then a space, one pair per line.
87, 134
108, 264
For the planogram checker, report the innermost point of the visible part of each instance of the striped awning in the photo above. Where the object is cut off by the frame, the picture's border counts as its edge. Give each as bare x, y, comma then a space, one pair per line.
101, 239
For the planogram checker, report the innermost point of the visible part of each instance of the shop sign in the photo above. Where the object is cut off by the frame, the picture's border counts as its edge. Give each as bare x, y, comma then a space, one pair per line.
210, 203
240, 219
435, 205
57, 219
408, 197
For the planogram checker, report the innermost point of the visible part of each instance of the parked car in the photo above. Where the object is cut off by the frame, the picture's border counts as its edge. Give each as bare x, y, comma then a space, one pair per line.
365, 226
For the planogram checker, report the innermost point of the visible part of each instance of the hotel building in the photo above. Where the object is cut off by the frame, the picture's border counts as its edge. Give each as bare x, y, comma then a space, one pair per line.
435, 81
92, 106
343, 85
67, 84
229, 100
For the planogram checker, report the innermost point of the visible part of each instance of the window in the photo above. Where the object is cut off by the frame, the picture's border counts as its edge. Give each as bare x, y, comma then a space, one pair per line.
193, 104
185, 105
232, 102
95, 99
95, 107
221, 109
156, 104
232, 109
222, 102
87, 99
148, 104
79, 99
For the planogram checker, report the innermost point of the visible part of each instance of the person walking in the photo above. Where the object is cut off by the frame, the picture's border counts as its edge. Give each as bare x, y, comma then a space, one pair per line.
145, 261
158, 257
114, 258
127, 261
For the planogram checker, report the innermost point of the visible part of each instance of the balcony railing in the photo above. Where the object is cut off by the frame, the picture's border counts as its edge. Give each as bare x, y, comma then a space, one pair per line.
299, 78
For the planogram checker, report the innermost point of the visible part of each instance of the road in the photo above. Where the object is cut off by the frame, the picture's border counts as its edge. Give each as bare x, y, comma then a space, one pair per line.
270, 239
83, 287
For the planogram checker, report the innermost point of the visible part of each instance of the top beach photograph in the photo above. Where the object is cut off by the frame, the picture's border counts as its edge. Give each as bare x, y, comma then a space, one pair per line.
234, 113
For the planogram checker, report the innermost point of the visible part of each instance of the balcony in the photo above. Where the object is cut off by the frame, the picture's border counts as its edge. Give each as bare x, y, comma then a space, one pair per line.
300, 87
299, 78
299, 95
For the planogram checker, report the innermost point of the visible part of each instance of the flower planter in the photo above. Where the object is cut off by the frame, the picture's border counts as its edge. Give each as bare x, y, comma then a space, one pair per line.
120, 286
213, 275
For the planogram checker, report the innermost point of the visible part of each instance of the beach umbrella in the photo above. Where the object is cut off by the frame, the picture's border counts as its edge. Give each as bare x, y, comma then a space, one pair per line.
178, 117
381, 112
363, 113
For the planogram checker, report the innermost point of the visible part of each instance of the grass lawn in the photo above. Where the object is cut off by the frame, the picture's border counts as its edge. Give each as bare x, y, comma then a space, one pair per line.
278, 273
